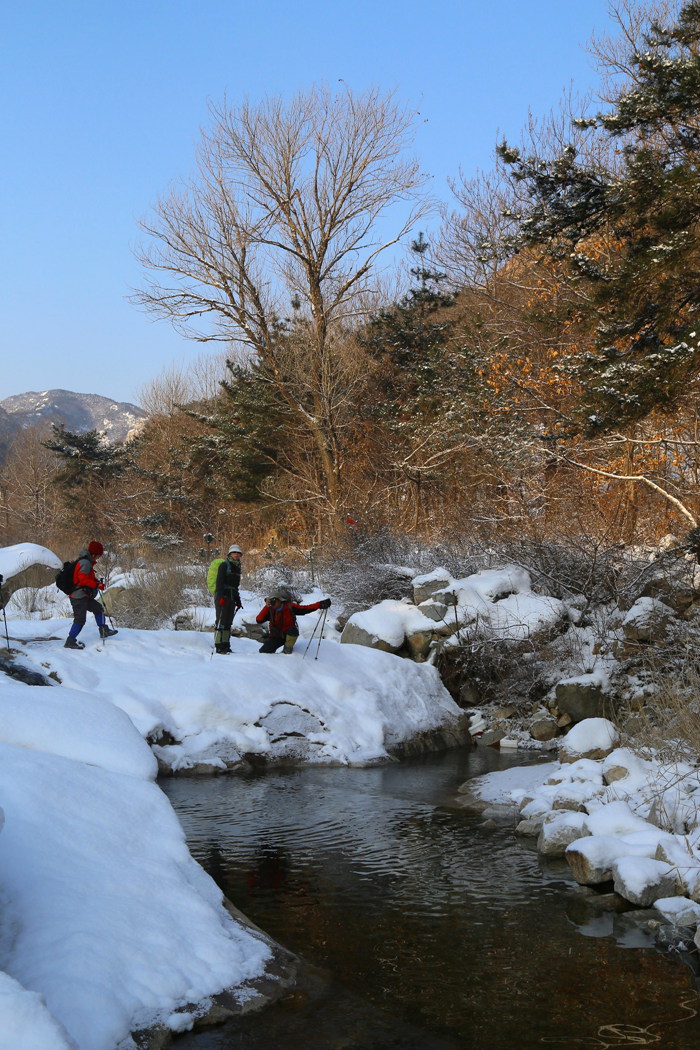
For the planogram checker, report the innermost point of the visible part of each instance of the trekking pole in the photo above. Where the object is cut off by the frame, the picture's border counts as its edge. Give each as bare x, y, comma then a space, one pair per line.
108, 616
325, 613
216, 629
4, 614
321, 617
104, 616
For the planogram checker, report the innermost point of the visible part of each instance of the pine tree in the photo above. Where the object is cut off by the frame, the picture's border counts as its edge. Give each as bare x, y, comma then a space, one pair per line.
629, 238
89, 476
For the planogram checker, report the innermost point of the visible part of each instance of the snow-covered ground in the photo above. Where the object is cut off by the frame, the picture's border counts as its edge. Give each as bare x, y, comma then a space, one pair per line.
107, 924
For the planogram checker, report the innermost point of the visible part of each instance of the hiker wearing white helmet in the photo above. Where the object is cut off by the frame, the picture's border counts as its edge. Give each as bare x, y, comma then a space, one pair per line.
227, 598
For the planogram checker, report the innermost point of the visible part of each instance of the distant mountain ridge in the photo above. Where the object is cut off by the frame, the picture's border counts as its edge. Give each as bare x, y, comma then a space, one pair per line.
115, 420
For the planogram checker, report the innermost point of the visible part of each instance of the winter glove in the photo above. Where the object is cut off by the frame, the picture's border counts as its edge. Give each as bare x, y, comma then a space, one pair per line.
325, 604
101, 585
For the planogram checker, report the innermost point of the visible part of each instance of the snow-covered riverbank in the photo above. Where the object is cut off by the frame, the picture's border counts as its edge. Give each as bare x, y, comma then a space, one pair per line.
107, 925
615, 816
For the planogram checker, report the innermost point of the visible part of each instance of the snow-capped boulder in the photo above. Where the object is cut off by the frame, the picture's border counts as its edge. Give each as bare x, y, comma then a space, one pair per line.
362, 629
625, 769
591, 859
389, 625
425, 586
678, 910
585, 696
647, 620
559, 830
436, 611
591, 738
642, 880
676, 806
616, 818
24, 564
673, 851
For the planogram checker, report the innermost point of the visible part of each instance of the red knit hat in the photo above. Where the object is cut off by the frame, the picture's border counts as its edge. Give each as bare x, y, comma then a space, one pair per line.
95, 549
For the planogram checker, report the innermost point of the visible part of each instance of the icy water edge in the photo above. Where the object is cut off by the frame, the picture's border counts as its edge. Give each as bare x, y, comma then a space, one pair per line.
424, 929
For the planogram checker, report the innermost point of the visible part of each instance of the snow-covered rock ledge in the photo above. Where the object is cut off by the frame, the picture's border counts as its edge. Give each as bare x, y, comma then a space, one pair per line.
614, 816
107, 924
202, 715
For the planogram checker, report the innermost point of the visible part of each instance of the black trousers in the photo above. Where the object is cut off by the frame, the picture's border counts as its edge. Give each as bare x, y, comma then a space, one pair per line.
82, 606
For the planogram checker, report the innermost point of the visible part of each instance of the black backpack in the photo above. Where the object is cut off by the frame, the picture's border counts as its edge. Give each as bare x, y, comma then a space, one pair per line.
64, 578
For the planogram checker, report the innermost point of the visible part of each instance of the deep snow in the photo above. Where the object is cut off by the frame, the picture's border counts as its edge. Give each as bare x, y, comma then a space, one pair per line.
106, 922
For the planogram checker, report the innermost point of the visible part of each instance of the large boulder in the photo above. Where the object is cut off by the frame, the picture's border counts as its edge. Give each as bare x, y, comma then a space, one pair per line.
391, 626
583, 697
355, 634
594, 738
26, 565
642, 880
647, 621
425, 586
678, 910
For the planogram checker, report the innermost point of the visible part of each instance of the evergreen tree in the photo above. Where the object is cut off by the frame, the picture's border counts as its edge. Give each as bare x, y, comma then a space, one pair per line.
408, 342
246, 431
89, 476
629, 238
421, 402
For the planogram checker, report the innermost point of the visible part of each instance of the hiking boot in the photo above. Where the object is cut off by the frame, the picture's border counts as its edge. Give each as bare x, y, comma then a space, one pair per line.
73, 643
222, 651
288, 649
106, 632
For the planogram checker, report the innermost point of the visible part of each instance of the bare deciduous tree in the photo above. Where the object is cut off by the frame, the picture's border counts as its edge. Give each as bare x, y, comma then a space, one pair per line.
179, 385
289, 208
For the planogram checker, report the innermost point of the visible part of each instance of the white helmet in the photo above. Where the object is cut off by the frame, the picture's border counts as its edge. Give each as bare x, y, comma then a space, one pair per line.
234, 549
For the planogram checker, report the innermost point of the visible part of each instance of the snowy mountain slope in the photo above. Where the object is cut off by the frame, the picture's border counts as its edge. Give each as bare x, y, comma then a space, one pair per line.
116, 420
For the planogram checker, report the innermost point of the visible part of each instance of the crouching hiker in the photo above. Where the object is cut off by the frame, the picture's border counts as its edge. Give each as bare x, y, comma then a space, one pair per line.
82, 597
282, 614
227, 597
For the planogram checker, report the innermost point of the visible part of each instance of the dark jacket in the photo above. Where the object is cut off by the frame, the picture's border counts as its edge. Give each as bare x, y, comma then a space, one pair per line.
283, 620
85, 582
228, 580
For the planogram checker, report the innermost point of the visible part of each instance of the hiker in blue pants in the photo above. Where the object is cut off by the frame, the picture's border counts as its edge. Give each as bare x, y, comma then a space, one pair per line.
82, 597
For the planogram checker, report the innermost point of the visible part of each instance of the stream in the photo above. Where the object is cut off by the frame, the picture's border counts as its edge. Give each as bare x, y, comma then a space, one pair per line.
422, 927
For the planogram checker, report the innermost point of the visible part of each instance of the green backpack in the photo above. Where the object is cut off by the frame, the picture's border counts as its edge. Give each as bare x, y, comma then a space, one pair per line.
212, 572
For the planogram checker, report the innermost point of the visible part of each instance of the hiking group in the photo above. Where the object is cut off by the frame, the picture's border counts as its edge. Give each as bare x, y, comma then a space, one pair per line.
223, 580
78, 580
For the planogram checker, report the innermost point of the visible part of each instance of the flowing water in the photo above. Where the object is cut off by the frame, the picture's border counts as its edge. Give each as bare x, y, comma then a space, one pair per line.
424, 929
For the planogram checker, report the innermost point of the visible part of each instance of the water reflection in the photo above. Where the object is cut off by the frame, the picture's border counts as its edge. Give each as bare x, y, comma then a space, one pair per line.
432, 927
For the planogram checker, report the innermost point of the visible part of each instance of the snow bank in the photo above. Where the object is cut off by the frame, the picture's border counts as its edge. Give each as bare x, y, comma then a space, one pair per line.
638, 820
105, 914
21, 556
350, 705
25, 1022
390, 621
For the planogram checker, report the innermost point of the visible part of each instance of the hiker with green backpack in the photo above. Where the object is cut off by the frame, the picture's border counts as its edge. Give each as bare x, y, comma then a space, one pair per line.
223, 581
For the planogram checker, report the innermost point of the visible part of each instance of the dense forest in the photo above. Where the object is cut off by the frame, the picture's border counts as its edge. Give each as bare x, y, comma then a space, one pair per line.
530, 373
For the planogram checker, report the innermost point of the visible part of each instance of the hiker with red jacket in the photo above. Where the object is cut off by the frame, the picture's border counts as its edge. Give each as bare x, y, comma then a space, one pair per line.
82, 597
282, 614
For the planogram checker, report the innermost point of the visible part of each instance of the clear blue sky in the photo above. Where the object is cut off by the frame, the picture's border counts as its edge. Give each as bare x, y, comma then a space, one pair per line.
102, 106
